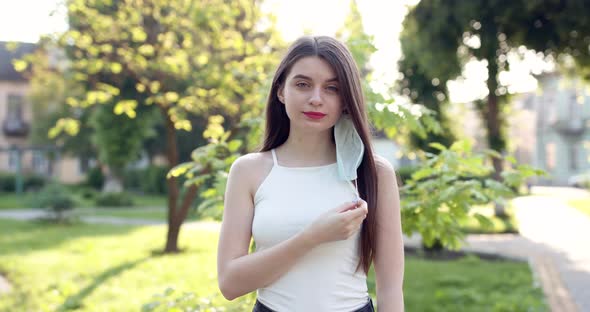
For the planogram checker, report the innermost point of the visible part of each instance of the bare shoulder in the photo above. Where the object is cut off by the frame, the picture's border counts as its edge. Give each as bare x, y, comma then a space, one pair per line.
383, 166
251, 169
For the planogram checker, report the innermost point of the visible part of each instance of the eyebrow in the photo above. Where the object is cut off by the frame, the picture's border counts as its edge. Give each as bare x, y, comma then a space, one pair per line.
300, 76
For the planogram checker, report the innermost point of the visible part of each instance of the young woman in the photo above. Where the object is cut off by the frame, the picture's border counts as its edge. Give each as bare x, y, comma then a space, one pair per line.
320, 206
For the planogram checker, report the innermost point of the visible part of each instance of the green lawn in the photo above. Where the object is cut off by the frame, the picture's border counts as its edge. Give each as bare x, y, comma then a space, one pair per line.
146, 213
473, 226
113, 268
13, 201
581, 204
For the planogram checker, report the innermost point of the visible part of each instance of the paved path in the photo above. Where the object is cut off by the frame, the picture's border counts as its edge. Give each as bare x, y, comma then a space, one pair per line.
561, 234
554, 238
29, 214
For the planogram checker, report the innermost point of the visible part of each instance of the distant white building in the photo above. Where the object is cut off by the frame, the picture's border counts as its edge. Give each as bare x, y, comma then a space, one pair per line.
550, 128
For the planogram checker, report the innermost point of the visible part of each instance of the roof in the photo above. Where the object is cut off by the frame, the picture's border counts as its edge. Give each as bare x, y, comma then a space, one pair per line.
7, 72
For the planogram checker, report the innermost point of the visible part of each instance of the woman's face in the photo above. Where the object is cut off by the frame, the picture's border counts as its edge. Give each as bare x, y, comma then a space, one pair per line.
311, 95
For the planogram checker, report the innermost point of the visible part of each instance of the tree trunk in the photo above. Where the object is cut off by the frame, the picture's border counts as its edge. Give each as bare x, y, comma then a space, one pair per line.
174, 222
112, 183
494, 128
175, 216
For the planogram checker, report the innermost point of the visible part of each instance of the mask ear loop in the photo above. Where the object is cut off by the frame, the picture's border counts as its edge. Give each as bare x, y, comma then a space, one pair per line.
356, 195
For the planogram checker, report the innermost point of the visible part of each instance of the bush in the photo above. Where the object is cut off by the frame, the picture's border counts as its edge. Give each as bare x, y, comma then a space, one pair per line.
56, 199
34, 182
6, 182
114, 200
405, 173
87, 193
94, 178
30, 182
132, 179
154, 180
149, 180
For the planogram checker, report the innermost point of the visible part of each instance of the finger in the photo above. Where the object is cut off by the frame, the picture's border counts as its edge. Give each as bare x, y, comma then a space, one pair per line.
360, 213
355, 213
362, 207
346, 207
358, 220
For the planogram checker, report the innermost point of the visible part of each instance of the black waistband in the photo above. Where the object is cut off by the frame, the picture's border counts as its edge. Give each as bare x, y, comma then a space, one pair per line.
259, 307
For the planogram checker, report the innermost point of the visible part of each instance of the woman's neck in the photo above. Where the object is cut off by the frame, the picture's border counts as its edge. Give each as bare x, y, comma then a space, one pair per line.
308, 149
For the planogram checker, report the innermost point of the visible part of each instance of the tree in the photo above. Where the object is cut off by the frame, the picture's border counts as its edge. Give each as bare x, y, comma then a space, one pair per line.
182, 58
396, 120
417, 85
440, 37
449, 181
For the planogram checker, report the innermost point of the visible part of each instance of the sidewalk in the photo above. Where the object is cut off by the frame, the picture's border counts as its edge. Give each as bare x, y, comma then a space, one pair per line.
555, 240
29, 214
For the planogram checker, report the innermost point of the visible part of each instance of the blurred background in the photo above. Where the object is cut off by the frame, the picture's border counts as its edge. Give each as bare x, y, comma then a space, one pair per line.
120, 120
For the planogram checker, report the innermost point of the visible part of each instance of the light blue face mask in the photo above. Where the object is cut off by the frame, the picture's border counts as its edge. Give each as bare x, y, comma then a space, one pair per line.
349, 148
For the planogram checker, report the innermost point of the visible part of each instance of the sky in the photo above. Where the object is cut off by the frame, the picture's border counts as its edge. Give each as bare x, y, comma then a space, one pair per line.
26, 20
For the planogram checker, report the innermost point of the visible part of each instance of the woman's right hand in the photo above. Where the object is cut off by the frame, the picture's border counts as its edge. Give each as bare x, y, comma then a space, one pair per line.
338, 223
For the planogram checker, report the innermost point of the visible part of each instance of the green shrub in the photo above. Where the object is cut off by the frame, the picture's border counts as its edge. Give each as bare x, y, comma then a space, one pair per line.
405, 173
132, 179
88, 193
153, 180
34, 182
94, 178
30, 182
56, 199
149, 180
114, 200
6, 182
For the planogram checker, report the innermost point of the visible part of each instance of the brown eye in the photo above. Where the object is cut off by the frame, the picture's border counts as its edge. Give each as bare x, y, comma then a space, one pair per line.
302, 84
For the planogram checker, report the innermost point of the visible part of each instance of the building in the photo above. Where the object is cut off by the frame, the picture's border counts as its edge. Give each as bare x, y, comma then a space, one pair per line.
550, 128
17, 153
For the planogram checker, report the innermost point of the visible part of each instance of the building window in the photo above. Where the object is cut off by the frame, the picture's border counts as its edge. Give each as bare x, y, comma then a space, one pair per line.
85, 164
574, 157
13, 160
550, 156
40, 163
14, 109
550, 109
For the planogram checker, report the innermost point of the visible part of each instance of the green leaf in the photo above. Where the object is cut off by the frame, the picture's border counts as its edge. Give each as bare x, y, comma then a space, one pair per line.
179, 170
437, 146
234, 145
484, 221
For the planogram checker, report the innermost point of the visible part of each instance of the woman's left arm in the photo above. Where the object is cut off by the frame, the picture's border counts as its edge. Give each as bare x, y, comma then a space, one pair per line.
389, 253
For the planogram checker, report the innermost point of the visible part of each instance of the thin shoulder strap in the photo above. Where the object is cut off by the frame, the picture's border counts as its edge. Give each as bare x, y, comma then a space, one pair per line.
274, 157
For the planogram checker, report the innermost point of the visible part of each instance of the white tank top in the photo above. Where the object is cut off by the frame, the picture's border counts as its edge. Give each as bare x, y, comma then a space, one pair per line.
325, 279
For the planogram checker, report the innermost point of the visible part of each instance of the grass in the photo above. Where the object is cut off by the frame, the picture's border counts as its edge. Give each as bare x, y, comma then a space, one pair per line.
497, 225
145, 213
582, 205
13, 201
113, 268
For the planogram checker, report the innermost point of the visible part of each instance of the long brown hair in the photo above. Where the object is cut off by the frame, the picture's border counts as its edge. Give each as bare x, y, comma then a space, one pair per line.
278, 124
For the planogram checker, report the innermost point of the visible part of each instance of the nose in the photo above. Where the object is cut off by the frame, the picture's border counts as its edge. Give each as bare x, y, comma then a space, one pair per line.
316, 97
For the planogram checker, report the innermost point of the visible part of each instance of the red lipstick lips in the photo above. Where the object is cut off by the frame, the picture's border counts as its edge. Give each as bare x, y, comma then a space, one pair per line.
314, 115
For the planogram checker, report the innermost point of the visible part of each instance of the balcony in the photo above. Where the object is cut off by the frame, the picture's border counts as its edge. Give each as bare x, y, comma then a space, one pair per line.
571, 128
15, 127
